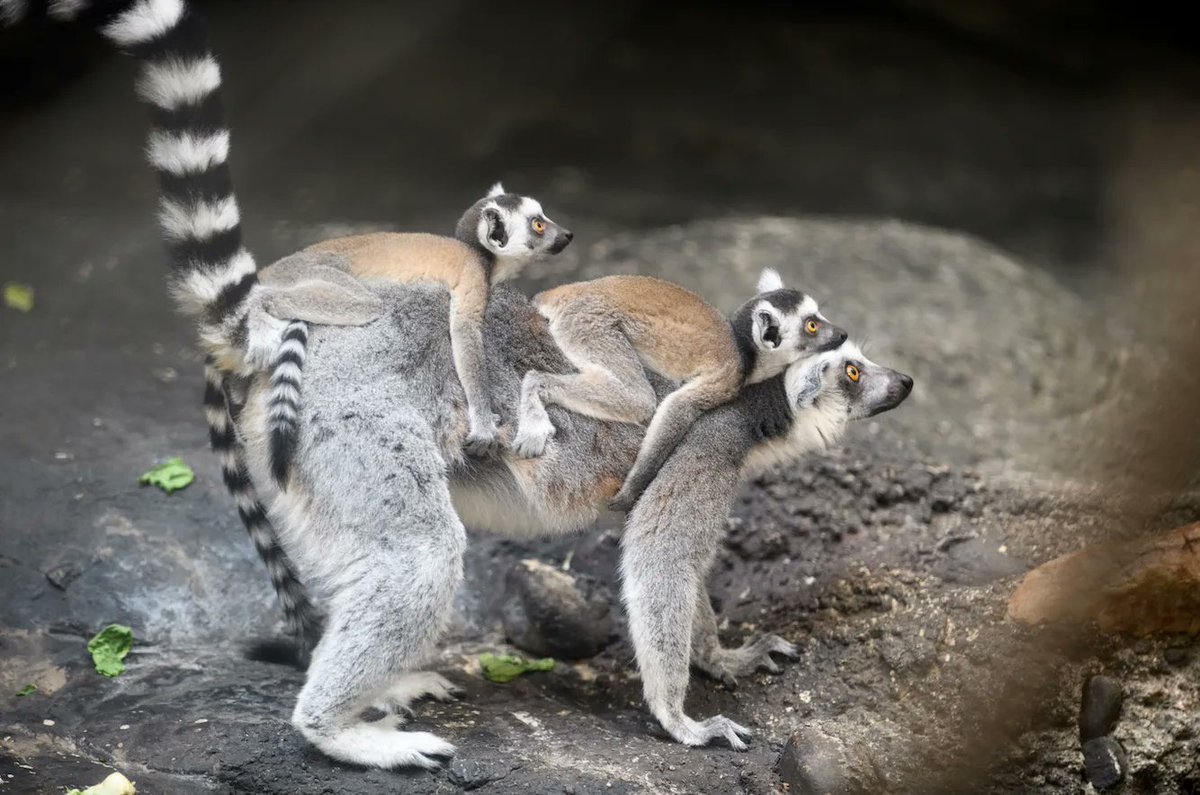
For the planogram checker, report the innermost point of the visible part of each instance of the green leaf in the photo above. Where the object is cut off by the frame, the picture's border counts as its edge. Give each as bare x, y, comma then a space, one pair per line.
501, 668
18, 297
170, 476
109, 647
27, 690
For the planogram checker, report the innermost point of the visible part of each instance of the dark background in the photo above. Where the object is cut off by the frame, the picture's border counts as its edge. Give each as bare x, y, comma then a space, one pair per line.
1007, 120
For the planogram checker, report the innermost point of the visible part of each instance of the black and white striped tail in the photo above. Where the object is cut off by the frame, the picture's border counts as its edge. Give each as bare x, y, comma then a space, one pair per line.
211, 271
301, 616
283, 400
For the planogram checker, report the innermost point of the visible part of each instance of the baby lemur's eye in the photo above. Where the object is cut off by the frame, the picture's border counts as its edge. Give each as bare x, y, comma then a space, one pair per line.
539, 226
852, 373
812, 326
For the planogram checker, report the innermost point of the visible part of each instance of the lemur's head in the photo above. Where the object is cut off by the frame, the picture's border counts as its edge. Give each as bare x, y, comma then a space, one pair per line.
513, 228
782, 326
843, 382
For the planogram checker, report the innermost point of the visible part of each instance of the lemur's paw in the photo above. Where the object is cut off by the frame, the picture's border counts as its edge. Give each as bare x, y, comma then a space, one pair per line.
419, 684
728, 664
483, 440
622, 502
531, 438
718, 727
379, 744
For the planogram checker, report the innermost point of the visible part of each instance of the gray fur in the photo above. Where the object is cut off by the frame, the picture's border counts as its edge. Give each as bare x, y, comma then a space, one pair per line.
373, 514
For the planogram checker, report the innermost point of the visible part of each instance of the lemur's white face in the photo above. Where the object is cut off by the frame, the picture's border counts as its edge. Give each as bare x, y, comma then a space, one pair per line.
517, 231
844, 381
787, 326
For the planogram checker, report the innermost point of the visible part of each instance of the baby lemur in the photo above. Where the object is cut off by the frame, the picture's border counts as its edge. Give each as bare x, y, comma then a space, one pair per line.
674, 332
495, 238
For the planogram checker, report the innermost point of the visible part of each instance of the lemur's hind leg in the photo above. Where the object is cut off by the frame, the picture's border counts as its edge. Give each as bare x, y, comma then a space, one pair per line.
670, 424
610, 385
381, 532
662, 571
728, 664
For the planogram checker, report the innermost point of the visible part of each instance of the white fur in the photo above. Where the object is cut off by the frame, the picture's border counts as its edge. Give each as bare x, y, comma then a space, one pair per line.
144, 21
65, 10
11, 11
174, 82
187, 153
769, 280
380, 745
199, 221
200, 287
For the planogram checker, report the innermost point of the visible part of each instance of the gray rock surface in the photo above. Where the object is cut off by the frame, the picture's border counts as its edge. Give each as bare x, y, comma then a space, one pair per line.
551, 613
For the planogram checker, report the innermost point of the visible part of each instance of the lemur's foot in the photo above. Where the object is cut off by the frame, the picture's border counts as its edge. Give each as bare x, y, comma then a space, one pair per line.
531, 438
419, 684
623, 501
690, 732
728, 664
483, 438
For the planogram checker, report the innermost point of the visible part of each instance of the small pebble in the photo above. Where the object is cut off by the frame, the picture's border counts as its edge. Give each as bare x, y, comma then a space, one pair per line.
1101, 709
1104, 762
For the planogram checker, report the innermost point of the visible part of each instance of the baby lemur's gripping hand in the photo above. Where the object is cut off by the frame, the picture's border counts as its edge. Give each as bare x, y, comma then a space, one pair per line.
768, 403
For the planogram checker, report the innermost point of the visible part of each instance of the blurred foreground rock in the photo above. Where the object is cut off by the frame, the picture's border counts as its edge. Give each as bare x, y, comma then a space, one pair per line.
1138, 587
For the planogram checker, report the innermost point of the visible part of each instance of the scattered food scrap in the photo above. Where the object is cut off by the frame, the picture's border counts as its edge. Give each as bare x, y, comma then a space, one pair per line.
18, 297
109, 648
27, 690
170, 476
501, 668
115, 784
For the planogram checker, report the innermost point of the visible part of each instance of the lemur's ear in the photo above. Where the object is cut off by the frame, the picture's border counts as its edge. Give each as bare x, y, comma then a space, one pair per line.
769, 281
766, 328
810, 387
497, 190
497, 232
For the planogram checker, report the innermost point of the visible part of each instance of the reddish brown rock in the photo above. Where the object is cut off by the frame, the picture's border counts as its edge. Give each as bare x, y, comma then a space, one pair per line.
1141, 587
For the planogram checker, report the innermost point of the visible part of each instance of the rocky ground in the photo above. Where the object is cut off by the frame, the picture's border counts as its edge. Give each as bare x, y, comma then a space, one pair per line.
889, 562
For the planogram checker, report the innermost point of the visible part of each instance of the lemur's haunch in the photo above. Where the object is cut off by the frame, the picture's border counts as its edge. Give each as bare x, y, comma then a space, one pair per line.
674, 332
212, 276
494, 240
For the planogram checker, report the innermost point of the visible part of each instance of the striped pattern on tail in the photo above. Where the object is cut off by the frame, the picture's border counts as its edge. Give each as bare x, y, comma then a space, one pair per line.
283, 400
302, 618
212, 273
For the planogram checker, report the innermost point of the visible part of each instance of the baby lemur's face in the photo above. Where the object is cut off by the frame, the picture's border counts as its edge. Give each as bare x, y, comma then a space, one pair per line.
517, 231
787, 326
846, 383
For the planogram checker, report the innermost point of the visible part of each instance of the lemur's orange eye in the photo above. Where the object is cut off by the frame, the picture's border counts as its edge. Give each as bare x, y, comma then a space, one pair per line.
852, 373
539, 226
812, 326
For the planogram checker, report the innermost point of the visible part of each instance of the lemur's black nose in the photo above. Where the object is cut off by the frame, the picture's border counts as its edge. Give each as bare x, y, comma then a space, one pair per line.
561, 240
568, 235
906, 382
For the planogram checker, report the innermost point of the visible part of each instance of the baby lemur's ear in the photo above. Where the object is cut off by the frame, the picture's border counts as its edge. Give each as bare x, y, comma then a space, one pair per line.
496, 190
810, 387
769, 280
497, 232
767, 324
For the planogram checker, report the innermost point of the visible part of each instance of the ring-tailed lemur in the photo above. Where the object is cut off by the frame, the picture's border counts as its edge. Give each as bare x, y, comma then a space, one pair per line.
212, 276
673, 533
671, 331
493, 241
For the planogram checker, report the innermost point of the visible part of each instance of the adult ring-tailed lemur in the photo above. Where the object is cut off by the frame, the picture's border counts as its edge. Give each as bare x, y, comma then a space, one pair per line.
379, 483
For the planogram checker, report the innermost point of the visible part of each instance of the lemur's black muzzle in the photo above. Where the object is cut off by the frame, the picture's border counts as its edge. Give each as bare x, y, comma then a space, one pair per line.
833, 336
899, 388
561, 238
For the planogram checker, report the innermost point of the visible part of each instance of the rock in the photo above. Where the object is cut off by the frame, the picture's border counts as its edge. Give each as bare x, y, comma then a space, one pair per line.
907, 654
1141, 587
467, 774
1101, 709
1104, 762
976, 561
816, 763
546, 612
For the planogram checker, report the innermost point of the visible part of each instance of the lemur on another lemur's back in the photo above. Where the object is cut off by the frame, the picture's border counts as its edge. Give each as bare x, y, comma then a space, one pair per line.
676, 333
494, 240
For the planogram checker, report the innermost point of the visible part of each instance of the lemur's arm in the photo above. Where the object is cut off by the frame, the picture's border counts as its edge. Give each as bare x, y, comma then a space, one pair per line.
767, 408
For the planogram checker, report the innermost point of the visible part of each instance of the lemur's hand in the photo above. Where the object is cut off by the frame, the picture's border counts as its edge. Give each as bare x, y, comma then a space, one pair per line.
773, 424
623, 501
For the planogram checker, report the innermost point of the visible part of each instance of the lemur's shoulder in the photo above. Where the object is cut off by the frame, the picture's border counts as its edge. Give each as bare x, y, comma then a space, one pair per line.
406, 255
